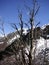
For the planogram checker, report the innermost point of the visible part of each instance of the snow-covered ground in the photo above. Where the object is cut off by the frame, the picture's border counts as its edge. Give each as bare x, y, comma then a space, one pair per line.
40, 42
40, 45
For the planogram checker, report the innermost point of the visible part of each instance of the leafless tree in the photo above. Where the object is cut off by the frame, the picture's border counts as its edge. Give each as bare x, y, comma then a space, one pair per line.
32, 14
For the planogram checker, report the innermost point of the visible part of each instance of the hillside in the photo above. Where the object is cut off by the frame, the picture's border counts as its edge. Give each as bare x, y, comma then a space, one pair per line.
10, 45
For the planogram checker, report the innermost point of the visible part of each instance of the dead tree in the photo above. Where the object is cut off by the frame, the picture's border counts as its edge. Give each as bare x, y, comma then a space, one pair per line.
20, 32
32, 14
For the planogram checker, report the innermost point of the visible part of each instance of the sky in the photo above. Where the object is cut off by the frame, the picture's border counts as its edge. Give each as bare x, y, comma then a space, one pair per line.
9, 12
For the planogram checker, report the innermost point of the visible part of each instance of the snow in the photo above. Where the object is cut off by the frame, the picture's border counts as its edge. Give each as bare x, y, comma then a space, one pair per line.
48, 43
42, 41
17, 36
43, 26
25, 31
41, 44
11, 40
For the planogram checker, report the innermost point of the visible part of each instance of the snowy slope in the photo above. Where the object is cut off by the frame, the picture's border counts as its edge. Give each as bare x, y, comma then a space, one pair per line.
40, 42
44, 26
40, 45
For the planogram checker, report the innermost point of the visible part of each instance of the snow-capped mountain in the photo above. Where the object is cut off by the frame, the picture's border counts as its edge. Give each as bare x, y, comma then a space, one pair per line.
42, 44
44, 26
40, 37
11, 37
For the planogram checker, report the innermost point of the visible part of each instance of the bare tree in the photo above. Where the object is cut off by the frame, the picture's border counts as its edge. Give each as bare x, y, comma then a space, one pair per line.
32, 14
20, 32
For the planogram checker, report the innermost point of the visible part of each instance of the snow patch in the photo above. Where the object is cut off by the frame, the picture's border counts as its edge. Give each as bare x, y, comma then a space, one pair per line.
43, 26
11, 40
